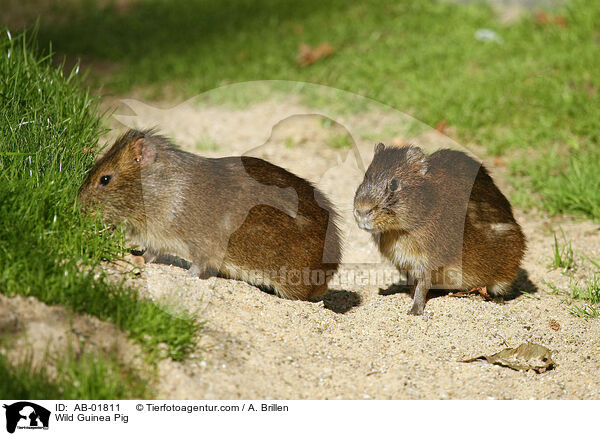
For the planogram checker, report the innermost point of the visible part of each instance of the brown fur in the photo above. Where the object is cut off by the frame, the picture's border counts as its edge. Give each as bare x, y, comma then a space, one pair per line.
447, 224
241, 216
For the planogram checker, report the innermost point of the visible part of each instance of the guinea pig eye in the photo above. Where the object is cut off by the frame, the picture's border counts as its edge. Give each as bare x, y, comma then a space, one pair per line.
393, 185
105, 180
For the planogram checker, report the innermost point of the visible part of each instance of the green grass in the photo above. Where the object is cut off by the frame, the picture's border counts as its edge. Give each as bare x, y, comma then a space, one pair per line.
538, 90
563, 256
589, 292
289, 142
593, 262
82, 376
567, 181
47, 248
340, 141
206, 144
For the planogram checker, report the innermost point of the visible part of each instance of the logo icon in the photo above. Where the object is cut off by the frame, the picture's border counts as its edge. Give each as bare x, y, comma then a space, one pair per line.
26, 415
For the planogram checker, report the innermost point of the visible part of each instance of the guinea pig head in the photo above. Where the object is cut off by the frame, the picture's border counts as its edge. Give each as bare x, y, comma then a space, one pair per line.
113, 186
395, 191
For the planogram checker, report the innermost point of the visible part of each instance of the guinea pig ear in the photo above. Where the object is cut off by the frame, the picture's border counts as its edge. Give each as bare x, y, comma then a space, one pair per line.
379, 147
144, 152
416, 157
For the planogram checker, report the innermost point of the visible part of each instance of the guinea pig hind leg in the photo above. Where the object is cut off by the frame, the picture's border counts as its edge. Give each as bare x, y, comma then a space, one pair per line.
200, 270
150, 255
499, 289
423, 284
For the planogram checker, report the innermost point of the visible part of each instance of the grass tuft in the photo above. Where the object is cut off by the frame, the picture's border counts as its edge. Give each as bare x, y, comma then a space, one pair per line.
589, 292
563, 256
206, 144
86, 375
340, 141
48, 249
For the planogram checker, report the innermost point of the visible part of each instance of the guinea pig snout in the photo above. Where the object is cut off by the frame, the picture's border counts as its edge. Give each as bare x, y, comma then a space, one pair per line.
83, 197
363, 213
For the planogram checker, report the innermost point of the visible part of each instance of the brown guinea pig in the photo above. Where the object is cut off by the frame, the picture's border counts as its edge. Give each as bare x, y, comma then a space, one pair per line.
441, 220
241, 216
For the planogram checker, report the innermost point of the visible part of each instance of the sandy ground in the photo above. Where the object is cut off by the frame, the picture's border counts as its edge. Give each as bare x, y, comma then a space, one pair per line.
359, 342
35, 332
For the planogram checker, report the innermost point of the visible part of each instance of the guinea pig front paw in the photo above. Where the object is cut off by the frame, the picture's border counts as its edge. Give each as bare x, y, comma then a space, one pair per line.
138, 261
194, 271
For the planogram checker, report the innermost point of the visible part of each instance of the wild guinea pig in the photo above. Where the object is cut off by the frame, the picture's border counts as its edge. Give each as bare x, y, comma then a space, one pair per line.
240, 216
440, 219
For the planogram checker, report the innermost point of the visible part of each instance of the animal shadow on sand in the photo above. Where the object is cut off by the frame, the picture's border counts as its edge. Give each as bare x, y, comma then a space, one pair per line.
334, 300
521, 286
340, 301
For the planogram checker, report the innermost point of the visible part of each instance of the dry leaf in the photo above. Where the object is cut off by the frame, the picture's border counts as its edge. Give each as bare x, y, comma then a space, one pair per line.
541, 17
441, 126
481, 290
591, 89
525, 357
307, 55
560, 21
554, 325
398, 142
499, 162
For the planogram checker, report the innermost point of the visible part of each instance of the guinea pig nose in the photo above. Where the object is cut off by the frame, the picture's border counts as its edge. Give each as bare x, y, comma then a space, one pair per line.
362, 211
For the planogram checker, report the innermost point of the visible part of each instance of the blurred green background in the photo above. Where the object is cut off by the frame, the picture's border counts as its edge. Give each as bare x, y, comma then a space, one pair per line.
519, 78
